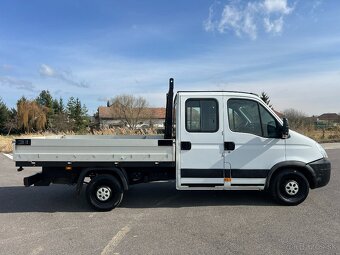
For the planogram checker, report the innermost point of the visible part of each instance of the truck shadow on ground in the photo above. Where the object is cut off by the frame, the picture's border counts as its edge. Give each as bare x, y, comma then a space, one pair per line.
61, 198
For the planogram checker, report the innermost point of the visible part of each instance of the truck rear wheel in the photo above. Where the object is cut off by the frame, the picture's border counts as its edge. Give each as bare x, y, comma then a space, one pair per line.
104, 192
290, 187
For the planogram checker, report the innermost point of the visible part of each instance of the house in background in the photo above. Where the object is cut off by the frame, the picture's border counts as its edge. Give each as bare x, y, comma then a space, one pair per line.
107, 117
328, 120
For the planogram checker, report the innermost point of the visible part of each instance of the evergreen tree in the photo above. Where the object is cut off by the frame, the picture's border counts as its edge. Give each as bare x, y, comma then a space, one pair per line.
12, 122
70, 108
58, 106
265, 98
45, 99
4, 116
61, 105
77, 114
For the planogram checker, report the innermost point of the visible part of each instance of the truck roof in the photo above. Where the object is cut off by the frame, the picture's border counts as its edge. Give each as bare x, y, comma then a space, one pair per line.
220, 92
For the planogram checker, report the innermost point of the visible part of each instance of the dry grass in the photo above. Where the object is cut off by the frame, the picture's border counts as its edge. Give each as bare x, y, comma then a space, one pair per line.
124, 131
321, 135
6, 144
6, 141
330, 135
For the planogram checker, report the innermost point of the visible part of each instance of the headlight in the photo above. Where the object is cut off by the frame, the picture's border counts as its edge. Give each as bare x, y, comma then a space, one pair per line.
322, 150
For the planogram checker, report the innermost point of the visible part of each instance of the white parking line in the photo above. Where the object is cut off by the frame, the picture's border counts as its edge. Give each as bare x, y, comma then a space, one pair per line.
10, 156
115, 240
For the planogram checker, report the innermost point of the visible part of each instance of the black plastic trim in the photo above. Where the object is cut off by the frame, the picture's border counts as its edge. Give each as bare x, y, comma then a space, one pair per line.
185, 146
229, 146
120, 172
224, 173
202, 173
165, 142
290, 164
249, 173
30, 180
322, 170
22, 141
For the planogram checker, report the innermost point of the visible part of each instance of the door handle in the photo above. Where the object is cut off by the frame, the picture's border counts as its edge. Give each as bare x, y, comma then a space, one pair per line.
229, 146
185, 146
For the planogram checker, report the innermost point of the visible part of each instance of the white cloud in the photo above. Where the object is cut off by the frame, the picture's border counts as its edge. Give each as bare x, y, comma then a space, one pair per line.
241, 21
48, 71
247, 19
274, 26
209, 24
231, 17
17, 83
279, 6
249, 26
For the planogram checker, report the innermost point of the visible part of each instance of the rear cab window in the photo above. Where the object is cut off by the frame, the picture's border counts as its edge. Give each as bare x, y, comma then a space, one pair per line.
201, 115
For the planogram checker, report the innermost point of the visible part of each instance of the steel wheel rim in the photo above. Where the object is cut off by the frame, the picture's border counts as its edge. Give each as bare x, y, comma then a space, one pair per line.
292, 187
103, 193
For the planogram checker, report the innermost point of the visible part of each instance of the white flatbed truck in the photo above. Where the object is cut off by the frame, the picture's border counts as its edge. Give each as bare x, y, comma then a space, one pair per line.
216, 140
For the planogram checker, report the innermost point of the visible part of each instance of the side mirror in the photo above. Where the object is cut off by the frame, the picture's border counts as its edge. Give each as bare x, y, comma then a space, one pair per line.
285, 129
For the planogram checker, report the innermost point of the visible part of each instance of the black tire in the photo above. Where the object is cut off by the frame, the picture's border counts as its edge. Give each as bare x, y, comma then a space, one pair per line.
104, 192
289, 187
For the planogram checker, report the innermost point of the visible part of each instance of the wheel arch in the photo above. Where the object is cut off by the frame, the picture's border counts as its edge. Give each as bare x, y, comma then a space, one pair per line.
305, 169
119, 173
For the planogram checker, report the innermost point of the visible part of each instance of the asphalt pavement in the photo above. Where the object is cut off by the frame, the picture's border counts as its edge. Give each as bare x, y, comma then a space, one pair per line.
157, 219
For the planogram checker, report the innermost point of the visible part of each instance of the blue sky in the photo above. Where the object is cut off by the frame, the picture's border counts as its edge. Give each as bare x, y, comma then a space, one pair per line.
95, 50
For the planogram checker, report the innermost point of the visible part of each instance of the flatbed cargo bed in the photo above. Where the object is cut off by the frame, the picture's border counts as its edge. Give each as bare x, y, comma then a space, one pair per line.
68, 149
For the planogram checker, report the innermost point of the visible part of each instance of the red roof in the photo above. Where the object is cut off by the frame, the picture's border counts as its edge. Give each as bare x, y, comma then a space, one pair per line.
329, 117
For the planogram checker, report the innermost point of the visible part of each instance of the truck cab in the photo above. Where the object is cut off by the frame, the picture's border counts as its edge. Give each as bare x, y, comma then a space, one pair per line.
234, 141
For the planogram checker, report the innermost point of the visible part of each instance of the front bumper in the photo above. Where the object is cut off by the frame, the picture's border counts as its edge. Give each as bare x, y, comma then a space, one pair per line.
322, 171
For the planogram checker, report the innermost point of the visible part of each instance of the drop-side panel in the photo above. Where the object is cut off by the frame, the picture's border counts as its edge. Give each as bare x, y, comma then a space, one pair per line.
95, 149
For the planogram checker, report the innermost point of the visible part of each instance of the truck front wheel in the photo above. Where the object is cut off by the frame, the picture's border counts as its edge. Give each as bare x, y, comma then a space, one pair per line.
290, 187
104, 192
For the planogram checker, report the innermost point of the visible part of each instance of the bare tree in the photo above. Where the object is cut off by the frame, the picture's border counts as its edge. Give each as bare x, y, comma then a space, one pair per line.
297, 119
130, 109
60, 123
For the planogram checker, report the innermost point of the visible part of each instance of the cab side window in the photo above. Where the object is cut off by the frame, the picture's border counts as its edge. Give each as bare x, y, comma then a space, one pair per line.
248, 116
270, 126
244, 116
201, 115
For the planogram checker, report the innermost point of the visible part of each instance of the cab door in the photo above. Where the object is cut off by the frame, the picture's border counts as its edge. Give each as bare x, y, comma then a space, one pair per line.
252, 139
200, 147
